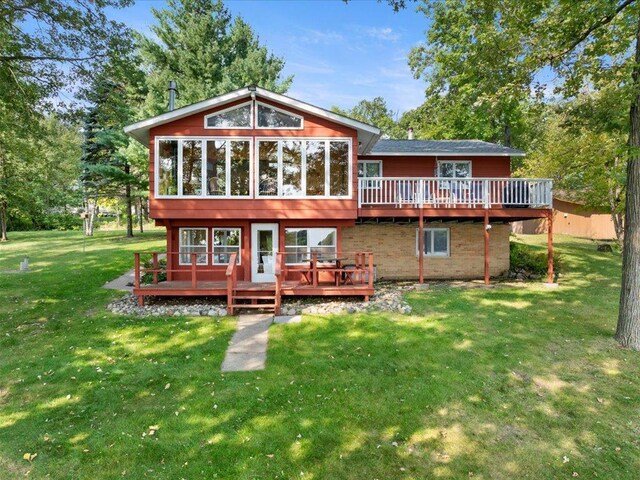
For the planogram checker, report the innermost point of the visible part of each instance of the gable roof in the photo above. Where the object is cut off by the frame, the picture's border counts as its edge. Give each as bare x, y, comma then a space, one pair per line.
368, 135
442, 148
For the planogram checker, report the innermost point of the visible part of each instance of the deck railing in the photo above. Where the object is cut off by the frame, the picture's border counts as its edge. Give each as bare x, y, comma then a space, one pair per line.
355, 268
232, 280
455, 192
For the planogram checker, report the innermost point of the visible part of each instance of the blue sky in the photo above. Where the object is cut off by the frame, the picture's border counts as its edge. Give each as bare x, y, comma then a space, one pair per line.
338, 53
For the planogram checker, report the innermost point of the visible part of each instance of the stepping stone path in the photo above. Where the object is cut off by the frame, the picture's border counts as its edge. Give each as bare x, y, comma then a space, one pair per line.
248, 348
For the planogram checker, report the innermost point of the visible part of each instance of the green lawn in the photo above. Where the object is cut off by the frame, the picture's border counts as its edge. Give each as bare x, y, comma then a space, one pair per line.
501, 383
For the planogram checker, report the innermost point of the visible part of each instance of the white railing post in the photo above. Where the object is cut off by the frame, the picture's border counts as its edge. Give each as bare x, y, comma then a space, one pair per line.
487, 196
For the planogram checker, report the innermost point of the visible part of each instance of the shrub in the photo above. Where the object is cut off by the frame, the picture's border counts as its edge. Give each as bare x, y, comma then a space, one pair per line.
531, 260
147, 277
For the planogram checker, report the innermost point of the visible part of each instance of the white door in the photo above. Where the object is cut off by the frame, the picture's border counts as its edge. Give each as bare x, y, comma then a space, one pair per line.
264, 245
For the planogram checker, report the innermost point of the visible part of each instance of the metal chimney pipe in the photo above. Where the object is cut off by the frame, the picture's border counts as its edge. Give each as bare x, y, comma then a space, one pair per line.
173, 91
410, 133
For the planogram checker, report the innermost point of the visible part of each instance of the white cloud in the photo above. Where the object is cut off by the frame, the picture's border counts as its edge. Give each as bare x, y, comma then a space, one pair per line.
383, 33
320, 68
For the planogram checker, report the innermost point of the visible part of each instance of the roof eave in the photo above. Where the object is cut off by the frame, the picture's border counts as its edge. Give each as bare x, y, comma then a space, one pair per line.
448, 154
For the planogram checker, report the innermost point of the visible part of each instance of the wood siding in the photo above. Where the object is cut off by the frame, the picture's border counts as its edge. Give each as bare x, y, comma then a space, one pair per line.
203, 208
421, 166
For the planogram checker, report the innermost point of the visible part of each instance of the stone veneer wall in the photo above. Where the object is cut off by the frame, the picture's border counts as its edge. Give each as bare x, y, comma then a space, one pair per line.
395, 253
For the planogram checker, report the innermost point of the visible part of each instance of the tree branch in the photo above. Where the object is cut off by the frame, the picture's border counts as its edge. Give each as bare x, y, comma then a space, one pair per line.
584, 35
56, 58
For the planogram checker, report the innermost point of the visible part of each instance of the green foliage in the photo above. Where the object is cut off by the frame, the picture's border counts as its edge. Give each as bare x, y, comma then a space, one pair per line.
531, 259
474, 381
207, 52
147, 277
375, 112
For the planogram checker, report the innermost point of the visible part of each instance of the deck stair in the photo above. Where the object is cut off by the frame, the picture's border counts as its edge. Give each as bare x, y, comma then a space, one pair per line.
263, 299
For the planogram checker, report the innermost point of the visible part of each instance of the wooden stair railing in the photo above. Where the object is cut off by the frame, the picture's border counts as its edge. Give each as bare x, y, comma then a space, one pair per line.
232, 281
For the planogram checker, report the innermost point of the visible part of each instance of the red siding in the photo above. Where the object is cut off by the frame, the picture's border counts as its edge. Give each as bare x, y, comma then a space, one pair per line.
253, 208
416, 166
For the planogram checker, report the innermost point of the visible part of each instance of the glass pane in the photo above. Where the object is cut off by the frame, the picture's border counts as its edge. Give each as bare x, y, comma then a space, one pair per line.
238, 117
446, 170
265, 251
339, 168
168, 166
463, 169
315, 168
361, 169
427, 242
324, 237
373, 169
191, 167
216, 167
291, 168
440, 243
268, 168
271, 118
193, 241
240, 159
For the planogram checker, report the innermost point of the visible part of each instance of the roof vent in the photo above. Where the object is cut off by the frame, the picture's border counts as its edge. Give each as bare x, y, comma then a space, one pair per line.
410, 133
173, 93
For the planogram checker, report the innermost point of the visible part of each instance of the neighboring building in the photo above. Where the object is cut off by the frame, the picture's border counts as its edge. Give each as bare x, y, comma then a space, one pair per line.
572, 218
311, 200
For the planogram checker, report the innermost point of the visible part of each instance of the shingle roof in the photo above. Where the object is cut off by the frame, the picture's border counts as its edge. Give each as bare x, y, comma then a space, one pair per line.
442, 147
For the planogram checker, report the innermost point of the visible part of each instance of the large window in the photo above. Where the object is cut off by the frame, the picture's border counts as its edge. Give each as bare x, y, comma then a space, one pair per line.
296, 168
271, 117
300, 243
167, 167
234, 117
225, 242
193, 240
204, 167
436, 242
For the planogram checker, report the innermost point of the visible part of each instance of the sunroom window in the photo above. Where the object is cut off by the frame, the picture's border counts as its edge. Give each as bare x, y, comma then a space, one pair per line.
168, 167
270, 117
290, 168
225, 242
235, 117
301, 243
193, 240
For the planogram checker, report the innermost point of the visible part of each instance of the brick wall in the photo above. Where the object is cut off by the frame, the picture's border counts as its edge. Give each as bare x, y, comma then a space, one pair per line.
394, 248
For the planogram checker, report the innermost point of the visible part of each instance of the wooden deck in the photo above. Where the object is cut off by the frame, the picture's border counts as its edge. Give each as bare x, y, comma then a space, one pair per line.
215, 289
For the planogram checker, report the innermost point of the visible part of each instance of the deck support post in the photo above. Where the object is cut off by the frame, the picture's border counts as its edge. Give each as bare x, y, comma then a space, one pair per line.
370, 270
169, 253
486, 247
550, 247
155, 268
194, 260
314, 269
136, 276
421, 245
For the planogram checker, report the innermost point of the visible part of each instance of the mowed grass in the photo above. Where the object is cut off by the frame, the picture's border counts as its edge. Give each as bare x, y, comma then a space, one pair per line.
506, 383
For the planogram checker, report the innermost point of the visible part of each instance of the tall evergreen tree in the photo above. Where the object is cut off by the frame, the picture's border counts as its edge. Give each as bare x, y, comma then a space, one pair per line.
207, 52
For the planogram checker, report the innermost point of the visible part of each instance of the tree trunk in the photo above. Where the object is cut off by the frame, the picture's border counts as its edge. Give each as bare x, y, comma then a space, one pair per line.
127, 195
3, 221
628, 330
140, 216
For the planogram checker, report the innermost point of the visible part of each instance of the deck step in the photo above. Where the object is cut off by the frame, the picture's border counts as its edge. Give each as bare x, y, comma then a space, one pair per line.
254, 305
254, 297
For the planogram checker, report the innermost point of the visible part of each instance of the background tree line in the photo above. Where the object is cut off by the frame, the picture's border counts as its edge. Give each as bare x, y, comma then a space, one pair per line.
56, 153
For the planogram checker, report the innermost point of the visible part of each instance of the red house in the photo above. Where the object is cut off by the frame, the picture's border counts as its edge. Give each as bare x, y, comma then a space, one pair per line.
263, 195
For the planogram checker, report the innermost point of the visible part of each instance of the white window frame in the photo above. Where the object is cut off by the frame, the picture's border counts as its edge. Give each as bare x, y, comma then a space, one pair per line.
180, 253
335, 245
228, 109
303, 183
213, 247
258, 127
454, 162
366, 162
430, 247
203, 195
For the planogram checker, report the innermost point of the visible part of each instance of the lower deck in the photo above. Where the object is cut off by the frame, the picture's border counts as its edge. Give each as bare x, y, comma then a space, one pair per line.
219, 288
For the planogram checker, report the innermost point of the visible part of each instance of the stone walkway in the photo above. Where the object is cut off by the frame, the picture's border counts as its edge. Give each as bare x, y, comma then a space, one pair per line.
123, 282
248, 348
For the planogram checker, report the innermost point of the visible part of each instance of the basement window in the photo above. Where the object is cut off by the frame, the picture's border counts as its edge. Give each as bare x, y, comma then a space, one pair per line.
436, 242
